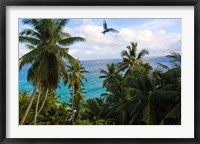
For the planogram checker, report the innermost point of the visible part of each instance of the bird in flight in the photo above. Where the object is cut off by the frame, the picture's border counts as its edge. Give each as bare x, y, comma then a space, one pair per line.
106, 29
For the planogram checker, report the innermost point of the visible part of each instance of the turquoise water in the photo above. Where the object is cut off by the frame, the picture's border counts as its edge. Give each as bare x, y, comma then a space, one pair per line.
93, 86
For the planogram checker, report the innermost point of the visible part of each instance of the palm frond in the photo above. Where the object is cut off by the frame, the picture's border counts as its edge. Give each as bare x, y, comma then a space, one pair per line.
148, 115
29, 57
30, 32
175, 56
30, 40
31, 22
70, 41
175, 114
143, 53
125, 54
60, 24
163, 66
31, 47
164, 96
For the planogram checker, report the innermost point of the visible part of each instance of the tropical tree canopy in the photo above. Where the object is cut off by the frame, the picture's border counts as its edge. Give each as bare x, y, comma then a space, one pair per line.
49, 50
135, 92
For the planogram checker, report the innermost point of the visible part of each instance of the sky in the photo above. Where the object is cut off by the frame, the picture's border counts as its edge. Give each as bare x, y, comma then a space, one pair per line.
158, 36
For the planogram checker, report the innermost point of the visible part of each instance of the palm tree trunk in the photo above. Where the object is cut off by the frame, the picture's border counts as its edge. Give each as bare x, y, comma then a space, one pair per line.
29, 105
46, 95
36, 108
73, 106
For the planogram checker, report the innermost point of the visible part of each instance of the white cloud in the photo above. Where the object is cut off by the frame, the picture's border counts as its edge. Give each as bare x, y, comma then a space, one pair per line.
93, 34
152, 36
149, 39
158, 42
88, 21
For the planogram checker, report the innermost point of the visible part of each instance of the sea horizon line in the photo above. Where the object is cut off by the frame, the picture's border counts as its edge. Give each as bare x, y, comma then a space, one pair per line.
115, 58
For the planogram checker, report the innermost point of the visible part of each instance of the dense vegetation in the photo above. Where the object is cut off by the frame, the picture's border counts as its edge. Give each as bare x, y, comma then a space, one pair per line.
136, 93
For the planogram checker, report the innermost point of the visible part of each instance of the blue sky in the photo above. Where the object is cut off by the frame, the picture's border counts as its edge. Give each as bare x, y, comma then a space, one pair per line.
159, 36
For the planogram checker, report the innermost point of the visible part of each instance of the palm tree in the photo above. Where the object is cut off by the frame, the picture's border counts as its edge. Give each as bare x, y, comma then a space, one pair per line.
78, 103
138, 98
116, 109
175, 58
74, 77
130, 57
172, 77
150, 101
54, 112
48, 55
115, 98
111, 76
95, 109
24, 98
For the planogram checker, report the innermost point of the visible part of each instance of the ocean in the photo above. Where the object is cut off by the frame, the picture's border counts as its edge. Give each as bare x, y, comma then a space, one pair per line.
93, 85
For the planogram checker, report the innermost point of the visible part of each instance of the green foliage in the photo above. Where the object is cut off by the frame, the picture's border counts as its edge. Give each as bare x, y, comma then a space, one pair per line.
74, 77
48, 55
136, 94
130, 58
88, 122
83, 122
102, 122
143, 95
54, 112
